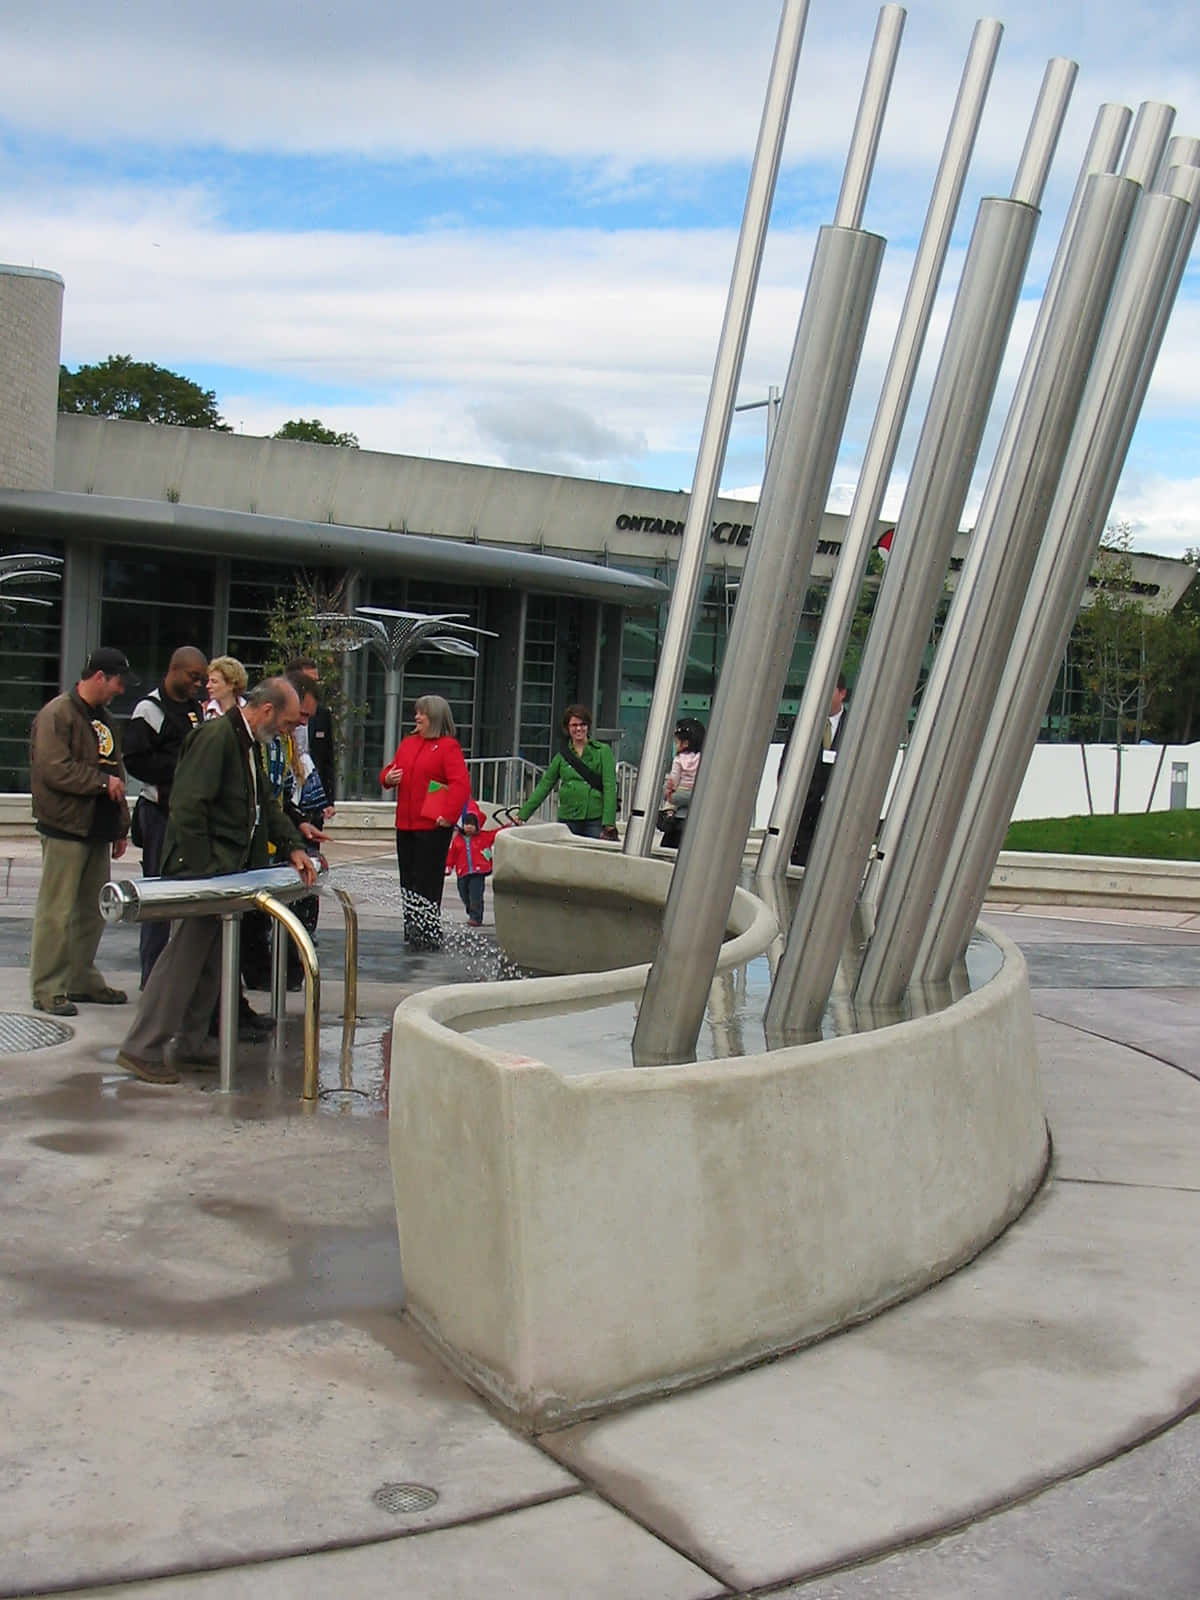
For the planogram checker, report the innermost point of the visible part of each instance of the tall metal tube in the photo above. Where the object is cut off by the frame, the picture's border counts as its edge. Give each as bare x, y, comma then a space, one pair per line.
929, 518
1161, 238
962, 683
714, 437
1181, 151
815, 400
1108, 138
864, 142
880, 454
1148, 142
1044, 130
1102, 154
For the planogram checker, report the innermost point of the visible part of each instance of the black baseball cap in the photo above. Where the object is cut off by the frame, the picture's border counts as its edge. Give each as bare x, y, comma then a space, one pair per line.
112, 663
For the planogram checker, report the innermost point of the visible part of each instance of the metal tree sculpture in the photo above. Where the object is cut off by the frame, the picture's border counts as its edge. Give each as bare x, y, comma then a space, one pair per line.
396, 640
14, 569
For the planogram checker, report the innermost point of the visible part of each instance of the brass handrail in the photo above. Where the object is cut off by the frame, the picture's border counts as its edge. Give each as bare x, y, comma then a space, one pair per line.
312, 986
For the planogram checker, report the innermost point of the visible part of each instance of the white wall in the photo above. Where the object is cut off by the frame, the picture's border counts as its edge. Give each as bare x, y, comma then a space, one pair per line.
1055, 785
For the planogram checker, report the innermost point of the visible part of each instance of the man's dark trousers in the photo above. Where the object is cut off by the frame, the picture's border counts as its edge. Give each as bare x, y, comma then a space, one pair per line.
152, 936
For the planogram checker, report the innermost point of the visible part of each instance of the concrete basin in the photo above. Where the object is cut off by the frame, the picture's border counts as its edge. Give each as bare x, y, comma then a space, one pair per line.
574, 1243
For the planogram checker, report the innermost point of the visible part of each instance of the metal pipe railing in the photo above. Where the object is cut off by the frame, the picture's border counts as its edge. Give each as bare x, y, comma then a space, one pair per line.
228, 896
287, 918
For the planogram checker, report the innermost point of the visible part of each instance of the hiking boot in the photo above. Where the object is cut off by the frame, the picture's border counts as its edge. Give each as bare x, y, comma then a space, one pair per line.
147, 1071
103, 997
195, 1058
57, 1006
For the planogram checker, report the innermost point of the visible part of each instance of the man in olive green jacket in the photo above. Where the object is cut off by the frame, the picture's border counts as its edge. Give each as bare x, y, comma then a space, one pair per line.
222, 816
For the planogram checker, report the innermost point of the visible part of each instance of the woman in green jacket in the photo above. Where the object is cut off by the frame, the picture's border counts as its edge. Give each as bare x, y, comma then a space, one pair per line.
585, 776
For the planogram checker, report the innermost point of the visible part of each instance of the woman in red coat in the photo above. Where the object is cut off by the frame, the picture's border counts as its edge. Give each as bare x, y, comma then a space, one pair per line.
430, 778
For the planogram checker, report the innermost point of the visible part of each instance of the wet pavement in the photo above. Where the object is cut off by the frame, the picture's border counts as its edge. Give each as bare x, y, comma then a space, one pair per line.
208, 1387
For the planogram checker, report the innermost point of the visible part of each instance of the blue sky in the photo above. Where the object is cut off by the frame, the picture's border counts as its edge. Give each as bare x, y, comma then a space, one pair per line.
503, 233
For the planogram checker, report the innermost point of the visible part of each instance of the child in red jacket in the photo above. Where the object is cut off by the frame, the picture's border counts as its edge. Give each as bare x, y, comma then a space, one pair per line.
470, 856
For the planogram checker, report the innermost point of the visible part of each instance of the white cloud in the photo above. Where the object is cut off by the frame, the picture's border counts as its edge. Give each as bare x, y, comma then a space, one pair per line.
570, 347
656, 80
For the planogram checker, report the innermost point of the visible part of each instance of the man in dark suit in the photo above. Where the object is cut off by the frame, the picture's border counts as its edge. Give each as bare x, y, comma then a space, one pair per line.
815, 798
221, 819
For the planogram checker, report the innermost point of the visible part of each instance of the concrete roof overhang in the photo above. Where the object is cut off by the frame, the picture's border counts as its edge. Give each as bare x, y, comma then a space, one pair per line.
211, 530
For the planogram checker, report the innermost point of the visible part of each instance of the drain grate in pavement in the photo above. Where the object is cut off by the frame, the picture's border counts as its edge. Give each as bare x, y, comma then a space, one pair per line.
19, 1033
404, 1498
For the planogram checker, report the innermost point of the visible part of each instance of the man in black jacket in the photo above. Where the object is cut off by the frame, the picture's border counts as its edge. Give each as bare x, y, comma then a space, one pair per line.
153, 739
815, 798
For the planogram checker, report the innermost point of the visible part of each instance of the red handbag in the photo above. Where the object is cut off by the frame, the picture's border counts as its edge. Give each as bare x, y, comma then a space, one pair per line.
434, 804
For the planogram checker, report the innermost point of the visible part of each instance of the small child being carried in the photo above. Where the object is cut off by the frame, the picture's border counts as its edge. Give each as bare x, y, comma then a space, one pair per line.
470, 856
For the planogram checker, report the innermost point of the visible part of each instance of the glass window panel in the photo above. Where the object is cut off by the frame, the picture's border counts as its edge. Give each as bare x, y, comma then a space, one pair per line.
30, 644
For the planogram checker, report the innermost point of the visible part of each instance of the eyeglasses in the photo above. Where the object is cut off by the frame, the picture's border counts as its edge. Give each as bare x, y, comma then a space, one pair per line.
574, 723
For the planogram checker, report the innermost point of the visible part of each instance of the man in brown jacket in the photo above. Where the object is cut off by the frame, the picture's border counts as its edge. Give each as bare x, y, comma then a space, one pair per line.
79, 802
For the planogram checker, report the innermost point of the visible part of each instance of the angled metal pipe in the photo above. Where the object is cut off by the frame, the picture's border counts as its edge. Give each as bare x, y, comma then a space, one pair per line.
1020, 486
864, 142
880, 454
1182, 151
1161, 238
1044, 130
1102, 154
815, 400
937, 491
1148, 142
907, 604
714, 437
963, 680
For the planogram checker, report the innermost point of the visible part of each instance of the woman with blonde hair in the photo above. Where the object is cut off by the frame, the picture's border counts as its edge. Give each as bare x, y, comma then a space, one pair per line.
226, 685
430, 778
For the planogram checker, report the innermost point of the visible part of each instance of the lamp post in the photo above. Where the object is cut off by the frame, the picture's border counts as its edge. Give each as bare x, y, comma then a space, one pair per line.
397, 636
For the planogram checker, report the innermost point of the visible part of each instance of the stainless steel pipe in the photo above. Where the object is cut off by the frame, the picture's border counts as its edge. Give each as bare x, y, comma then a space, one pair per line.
1160, 241
166, 899
714, 437
287, 918
815, 400
1101, 156
963, 679
933, 504
880, 454
1044, 130
864, 141
1148, 142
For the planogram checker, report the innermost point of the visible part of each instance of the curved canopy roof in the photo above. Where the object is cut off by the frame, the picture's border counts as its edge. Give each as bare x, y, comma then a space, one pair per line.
214, 531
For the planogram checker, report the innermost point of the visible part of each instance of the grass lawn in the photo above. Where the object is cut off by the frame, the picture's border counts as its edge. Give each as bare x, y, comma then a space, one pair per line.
1154, 836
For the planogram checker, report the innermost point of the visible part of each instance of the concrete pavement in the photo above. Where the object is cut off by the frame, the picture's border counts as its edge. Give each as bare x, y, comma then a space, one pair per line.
207, 1386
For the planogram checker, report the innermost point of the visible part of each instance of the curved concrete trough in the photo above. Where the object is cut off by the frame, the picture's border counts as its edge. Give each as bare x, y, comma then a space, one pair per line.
575, 1242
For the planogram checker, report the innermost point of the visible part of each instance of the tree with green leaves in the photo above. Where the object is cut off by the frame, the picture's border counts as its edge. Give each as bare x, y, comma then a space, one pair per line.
313, 431
1116, 646
138, 391
1177, 701
292, 631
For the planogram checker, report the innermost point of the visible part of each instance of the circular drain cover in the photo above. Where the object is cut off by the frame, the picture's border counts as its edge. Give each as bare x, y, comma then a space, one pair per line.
404, 1498
19, 1033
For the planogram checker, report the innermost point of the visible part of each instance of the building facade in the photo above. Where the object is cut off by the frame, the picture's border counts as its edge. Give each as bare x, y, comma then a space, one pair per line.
173, 536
